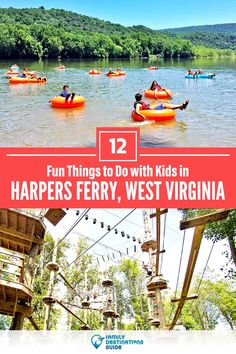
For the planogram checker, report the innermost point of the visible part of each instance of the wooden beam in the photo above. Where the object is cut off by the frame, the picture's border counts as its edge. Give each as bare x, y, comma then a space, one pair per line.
159, 212
68, 310
17, 286
12, 239
158, 238
154, 252
4, 293
6, 261
29, 268
196, 243
33, 228
12, 254
2, 270
7, 307
34, 324
19, 235
204, 219
193, 297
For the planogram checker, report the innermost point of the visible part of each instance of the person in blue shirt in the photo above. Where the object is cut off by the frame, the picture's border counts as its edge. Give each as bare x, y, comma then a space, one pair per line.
66, 93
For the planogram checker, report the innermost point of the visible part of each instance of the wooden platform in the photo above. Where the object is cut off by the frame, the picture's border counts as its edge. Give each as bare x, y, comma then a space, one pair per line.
15, 296
55, 215
18, 231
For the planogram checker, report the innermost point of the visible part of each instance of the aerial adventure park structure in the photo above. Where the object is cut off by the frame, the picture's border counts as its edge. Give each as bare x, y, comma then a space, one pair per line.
21, 236
22, 239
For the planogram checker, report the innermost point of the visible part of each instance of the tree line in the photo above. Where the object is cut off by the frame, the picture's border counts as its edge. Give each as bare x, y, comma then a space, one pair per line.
40, 33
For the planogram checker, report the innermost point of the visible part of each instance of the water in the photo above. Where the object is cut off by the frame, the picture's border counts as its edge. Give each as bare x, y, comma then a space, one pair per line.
26, 118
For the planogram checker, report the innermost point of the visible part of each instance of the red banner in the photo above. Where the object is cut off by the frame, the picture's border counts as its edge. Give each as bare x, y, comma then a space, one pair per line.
117, 173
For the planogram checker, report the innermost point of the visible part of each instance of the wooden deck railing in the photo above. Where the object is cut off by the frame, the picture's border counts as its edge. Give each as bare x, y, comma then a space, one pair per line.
11, 266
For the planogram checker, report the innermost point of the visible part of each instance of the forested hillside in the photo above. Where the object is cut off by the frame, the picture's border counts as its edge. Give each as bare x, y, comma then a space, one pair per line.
37, 33
213, 40
219, 28
222, 36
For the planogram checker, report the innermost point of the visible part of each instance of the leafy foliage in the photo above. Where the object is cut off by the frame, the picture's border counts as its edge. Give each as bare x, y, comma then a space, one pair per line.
5, 322
37, 33
220, 230
41, 282
220, 28
132, 304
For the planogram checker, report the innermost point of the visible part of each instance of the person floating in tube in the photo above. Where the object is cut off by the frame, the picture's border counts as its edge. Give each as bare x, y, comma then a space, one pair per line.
157, 88
140, 105
66, 93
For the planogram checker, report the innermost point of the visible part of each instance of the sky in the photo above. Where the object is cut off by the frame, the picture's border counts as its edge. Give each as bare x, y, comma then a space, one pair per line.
157, 15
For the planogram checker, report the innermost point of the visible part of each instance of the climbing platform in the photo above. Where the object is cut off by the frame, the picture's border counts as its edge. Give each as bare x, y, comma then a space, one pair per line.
18, 231
55, 215
15, 296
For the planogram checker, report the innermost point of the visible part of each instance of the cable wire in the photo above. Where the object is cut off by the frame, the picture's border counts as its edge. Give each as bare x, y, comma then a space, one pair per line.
163, 241
204, 270
180, 264
67, 233
203, 273
112, 228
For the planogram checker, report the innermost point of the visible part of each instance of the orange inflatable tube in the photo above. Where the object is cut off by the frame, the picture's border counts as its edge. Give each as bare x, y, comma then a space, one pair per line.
116, 74
25, 80
60, 102
12, 72
162, 94
95, 72
152, 68
155, 115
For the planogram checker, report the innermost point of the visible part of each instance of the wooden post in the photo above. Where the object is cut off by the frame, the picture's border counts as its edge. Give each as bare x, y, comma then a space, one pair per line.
17, 321
115, 302
30, 266
158, 236
48, 307
109, 324
160, 308
196, 243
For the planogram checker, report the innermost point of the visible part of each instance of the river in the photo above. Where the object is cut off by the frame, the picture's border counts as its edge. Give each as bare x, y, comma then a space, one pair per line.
26, 118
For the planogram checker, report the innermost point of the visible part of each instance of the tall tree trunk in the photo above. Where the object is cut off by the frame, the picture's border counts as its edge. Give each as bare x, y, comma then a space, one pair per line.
232, 247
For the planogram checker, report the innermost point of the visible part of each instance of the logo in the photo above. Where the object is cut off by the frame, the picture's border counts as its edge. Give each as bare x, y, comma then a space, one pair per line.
96, 340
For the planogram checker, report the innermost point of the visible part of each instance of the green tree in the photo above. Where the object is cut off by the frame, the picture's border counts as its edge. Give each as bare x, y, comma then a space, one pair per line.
41, 280
132, 300
216, 304
220, 230
5, 322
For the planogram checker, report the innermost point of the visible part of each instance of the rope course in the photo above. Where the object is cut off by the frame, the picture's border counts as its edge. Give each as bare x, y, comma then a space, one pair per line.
101, 287
102, 237
118, 248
